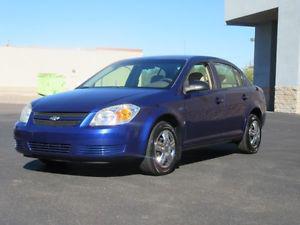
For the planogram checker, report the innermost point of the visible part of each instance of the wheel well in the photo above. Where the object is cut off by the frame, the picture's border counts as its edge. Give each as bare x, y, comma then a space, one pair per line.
257, 112
174, 122
170, 119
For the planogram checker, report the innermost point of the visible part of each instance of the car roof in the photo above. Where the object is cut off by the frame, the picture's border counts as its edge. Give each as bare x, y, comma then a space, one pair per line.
178, 57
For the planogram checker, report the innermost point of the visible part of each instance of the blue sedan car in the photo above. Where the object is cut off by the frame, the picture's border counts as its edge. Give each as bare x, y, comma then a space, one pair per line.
150, 109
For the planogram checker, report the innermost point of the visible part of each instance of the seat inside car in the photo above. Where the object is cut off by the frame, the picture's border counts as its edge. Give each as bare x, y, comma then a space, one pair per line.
195, 76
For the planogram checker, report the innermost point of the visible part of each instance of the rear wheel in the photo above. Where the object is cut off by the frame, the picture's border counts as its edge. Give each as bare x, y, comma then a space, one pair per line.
252, 136
162, 152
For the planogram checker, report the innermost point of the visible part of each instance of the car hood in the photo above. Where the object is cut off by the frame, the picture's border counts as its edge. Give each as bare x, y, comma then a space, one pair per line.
91, 99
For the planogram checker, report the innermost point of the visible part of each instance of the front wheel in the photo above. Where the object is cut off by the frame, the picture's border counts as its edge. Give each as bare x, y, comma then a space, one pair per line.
163, 150
252, 136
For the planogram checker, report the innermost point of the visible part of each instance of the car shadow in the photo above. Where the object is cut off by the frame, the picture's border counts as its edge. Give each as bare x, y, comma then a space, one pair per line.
127, 168
208, 153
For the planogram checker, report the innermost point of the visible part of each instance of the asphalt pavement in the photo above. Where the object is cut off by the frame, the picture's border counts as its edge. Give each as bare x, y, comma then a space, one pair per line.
215, 185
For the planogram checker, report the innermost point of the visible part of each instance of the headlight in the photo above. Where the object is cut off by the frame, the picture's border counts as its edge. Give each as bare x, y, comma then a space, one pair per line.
25, 113
115, 115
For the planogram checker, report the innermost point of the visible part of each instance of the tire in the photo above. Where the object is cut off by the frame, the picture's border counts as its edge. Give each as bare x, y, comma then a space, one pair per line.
252, 136
163, 150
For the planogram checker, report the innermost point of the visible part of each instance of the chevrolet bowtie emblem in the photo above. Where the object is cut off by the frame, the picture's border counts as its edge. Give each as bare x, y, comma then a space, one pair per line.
54, 118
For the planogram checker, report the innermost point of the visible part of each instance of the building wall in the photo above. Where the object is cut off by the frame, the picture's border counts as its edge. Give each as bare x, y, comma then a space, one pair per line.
287, 85
288, 40
287, 81
240, 8
20, 66
265, 60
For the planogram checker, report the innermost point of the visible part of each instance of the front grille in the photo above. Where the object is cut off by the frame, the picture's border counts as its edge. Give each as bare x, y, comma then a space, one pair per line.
21, 145
101, 149
58, 119
49, 147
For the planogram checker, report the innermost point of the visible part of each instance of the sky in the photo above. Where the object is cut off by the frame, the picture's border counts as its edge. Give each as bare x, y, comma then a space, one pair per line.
158, 27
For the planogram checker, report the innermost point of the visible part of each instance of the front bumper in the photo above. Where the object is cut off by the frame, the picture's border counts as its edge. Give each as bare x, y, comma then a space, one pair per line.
81, 143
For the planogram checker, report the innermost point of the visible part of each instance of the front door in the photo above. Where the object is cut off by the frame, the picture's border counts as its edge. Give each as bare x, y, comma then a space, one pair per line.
204, 110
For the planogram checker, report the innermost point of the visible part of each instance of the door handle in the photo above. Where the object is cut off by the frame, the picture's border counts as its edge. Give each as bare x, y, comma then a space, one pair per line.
219, 100
244, 97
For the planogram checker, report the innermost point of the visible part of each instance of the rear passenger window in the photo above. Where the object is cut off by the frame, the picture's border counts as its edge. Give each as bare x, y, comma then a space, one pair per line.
229, 77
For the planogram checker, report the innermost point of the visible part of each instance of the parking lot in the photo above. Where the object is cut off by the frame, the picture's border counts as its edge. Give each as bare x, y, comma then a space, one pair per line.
214, 185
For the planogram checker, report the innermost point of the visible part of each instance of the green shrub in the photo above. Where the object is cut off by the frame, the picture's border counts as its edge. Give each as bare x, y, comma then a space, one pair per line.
249, 72
50, 83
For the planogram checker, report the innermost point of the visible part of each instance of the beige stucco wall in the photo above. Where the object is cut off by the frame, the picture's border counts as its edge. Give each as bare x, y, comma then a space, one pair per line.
20, 66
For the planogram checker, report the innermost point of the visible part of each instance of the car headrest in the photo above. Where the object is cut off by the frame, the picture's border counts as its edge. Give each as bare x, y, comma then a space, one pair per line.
195, 76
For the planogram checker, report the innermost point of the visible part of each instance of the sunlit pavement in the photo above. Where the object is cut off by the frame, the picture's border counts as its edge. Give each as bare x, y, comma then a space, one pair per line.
213, 185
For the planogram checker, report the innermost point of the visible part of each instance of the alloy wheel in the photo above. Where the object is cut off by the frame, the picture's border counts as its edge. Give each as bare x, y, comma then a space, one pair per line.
254, 134
165, 148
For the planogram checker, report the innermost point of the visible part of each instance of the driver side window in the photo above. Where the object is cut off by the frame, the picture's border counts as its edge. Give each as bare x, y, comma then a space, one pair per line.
200, 72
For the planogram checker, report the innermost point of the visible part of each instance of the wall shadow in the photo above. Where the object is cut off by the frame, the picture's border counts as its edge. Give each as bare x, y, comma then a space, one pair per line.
117, 169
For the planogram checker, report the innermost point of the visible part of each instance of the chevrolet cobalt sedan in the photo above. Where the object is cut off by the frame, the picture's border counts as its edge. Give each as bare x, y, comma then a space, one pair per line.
149, 109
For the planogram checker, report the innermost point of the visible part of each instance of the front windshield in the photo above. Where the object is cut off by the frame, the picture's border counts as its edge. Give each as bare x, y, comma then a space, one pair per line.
139, 74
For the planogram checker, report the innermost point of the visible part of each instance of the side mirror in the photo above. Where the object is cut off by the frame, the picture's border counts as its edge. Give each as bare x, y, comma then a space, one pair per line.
196, 85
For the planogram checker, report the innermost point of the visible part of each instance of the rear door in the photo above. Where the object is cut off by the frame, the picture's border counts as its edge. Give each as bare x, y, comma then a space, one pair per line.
232, 85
